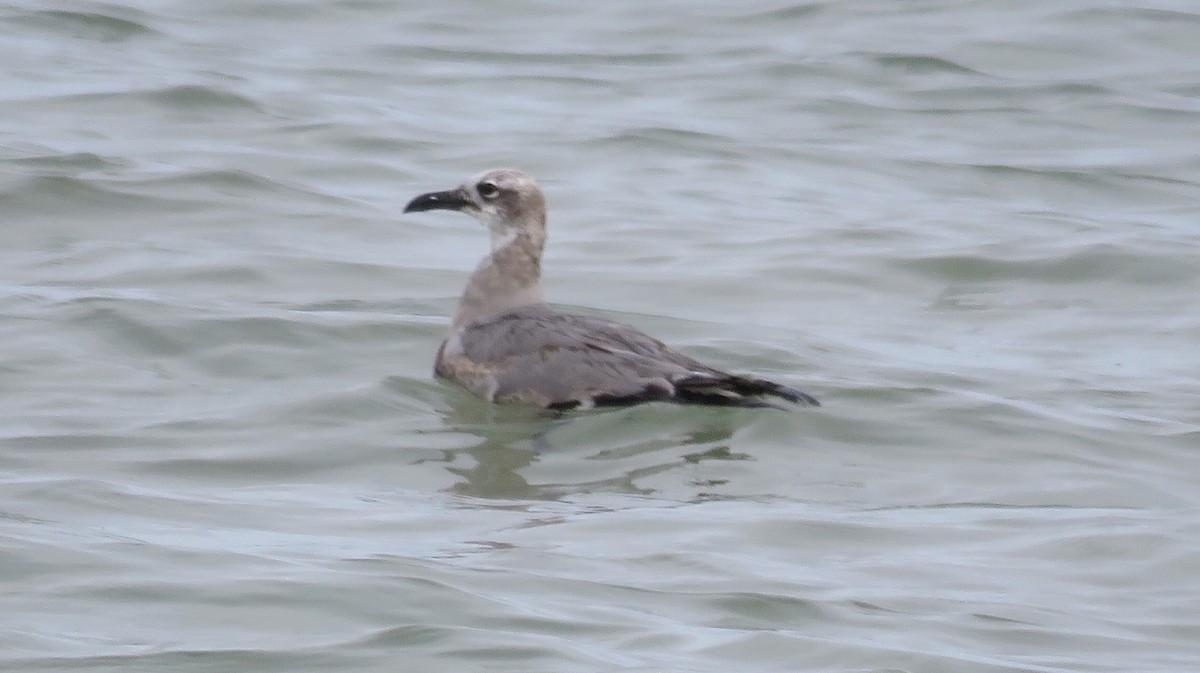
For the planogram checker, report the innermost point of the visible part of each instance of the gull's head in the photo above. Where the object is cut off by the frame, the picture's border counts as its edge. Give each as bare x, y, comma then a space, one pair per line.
507, 201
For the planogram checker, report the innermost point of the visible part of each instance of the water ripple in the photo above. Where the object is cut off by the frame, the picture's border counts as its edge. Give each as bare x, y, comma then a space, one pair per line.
102, 27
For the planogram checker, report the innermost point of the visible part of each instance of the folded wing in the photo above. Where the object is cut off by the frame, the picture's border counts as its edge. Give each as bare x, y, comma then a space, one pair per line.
538, 356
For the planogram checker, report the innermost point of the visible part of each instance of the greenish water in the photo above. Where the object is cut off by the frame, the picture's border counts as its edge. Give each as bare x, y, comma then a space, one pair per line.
971, 229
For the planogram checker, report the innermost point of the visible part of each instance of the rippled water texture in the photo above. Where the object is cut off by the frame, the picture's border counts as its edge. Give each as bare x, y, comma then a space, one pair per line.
970, 228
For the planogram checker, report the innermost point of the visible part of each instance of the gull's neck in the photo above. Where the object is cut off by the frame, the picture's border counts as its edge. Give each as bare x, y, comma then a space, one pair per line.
509, 277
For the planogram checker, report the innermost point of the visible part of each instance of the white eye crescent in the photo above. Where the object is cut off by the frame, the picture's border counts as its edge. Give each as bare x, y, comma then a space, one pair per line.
488, 190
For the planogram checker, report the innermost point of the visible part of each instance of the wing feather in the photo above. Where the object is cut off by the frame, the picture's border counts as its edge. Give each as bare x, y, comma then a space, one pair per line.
538, 356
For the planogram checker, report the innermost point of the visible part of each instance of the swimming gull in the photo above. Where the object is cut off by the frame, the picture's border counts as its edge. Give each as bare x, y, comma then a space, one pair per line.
507, 345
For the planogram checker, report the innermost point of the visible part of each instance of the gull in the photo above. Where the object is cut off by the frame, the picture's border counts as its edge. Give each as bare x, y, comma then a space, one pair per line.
506, 344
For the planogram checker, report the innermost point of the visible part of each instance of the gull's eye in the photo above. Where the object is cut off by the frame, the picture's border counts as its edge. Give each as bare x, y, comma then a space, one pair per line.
488, 190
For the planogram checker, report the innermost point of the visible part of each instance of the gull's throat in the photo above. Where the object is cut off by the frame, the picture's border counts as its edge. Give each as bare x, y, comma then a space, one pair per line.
502, 237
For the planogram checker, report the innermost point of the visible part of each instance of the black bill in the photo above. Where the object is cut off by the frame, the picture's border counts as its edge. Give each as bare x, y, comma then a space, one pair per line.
450, 200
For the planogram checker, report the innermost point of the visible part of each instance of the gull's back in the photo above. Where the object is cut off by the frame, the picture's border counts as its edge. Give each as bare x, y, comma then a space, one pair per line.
537, 355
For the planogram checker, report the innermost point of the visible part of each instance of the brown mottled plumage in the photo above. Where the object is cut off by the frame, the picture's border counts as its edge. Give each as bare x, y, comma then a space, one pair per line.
507, 345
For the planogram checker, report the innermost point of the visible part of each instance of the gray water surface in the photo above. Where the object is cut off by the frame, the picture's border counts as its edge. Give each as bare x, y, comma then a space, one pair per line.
972, 229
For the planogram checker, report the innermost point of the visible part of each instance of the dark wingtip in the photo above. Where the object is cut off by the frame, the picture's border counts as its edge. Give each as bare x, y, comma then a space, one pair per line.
704, 390
793, 395
736, 391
